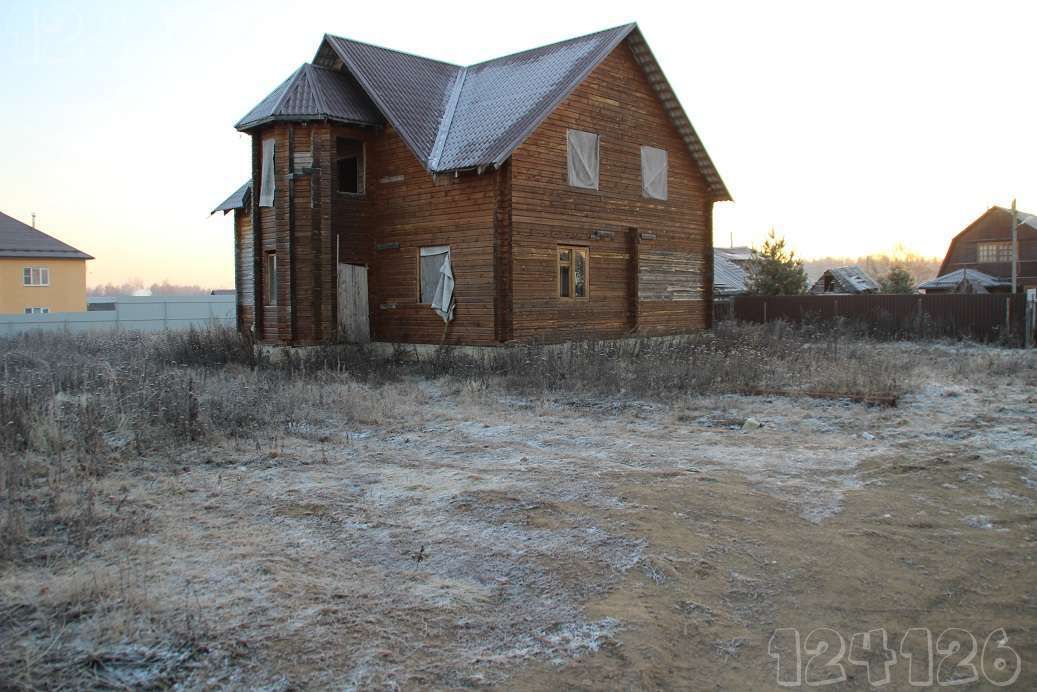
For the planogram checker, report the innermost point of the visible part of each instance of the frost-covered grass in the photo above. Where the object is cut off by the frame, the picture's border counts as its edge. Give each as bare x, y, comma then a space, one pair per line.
178, 506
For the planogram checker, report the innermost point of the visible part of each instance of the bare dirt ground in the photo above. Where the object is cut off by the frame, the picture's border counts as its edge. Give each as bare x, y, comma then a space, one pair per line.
457, 535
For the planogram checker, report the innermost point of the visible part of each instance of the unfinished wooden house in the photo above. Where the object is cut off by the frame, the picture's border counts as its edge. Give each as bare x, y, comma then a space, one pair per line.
559, 193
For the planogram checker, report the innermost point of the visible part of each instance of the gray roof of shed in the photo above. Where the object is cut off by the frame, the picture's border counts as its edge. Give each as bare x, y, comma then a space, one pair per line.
853, 278
19, 239
455, 117
238, 199
728, 278
315, 93
956, 277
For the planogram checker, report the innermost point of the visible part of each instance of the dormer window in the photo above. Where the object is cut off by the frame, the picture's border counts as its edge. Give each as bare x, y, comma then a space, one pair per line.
349, 165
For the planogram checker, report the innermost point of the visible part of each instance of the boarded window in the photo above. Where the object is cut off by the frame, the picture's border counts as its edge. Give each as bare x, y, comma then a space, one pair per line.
267, 180
583, 159
573, 271
36, 276
349, 163
653, 172
431, 266
669, 275
994, 252
270, 279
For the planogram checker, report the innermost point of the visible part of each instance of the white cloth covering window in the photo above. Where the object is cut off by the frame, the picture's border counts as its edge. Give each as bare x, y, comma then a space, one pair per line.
437, 280
653, 172
267, 185
583, 159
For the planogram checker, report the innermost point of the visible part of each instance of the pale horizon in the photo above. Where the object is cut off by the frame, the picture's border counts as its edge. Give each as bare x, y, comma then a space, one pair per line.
850, 129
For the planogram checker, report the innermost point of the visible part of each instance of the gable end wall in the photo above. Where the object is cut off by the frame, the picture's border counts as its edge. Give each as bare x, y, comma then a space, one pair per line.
655, 279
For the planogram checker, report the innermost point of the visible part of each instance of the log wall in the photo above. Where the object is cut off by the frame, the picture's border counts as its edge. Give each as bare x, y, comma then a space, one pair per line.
672, 237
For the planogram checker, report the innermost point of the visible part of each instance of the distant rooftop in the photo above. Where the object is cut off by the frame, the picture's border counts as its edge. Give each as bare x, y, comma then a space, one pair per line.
19, 239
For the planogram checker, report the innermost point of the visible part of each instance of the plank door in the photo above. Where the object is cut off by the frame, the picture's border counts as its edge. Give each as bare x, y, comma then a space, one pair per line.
353, 316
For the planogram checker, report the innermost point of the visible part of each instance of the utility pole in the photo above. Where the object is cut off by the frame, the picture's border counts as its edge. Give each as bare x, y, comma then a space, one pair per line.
1015, 245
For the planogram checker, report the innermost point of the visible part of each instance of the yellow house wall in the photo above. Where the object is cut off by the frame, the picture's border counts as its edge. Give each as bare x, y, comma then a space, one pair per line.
66, 292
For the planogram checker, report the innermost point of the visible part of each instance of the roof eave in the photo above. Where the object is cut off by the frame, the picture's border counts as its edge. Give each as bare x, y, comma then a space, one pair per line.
316, 117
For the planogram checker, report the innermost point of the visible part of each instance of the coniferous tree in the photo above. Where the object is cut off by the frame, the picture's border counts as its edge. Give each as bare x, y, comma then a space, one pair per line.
774, 270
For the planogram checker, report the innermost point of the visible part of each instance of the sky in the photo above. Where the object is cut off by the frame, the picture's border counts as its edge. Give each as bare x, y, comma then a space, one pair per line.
849, 127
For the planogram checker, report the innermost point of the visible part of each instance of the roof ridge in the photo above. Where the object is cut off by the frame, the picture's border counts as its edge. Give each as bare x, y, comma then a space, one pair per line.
603, 51
318, 93
628, 27
391, 50
448, 120
288, 83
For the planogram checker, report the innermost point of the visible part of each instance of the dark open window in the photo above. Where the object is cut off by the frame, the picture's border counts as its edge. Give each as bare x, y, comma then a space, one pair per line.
349, 164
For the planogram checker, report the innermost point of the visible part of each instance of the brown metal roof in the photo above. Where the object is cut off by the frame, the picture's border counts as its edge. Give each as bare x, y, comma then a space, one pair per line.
315, 93
18, 239
455, 117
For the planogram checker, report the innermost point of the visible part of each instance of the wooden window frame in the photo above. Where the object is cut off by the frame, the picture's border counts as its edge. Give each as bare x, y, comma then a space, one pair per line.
39, 272
1003, 246
573, 249
37, 311
361, 169
270, 279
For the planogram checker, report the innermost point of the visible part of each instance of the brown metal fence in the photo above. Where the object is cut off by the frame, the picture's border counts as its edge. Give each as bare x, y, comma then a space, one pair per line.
982, 317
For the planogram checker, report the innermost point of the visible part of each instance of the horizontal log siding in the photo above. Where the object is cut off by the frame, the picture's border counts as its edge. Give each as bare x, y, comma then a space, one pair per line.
244, 276
616, 102
420, 211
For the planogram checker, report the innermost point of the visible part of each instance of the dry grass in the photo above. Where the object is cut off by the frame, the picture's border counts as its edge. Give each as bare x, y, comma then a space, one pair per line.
79, 415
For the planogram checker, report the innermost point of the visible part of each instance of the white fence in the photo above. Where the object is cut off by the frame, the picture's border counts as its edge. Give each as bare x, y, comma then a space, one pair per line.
148, 314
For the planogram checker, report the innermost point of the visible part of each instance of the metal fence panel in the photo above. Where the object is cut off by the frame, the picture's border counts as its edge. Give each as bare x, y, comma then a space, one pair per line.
983, 317
132, 313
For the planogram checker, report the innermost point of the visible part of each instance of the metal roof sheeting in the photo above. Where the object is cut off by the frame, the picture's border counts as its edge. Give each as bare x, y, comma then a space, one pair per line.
18, 239
952, 280
729, 279
315, 93
239, 199
455, 117
850, 279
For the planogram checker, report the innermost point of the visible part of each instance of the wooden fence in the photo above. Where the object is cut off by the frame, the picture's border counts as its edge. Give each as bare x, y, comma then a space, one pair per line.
982, 317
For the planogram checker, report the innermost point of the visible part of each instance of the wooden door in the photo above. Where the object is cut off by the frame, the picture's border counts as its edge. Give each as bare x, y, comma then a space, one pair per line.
353, 316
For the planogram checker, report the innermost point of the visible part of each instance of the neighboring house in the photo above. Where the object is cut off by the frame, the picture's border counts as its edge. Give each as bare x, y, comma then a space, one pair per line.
966, 281
986, 246
553, 194
850, 280
729, 276
38, 273
739, 255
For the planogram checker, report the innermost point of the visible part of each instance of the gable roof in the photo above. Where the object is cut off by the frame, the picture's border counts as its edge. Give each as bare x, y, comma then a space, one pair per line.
18, 239
1025, 219
455, 117
314, 93
851, 279
239, 199
952, 280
